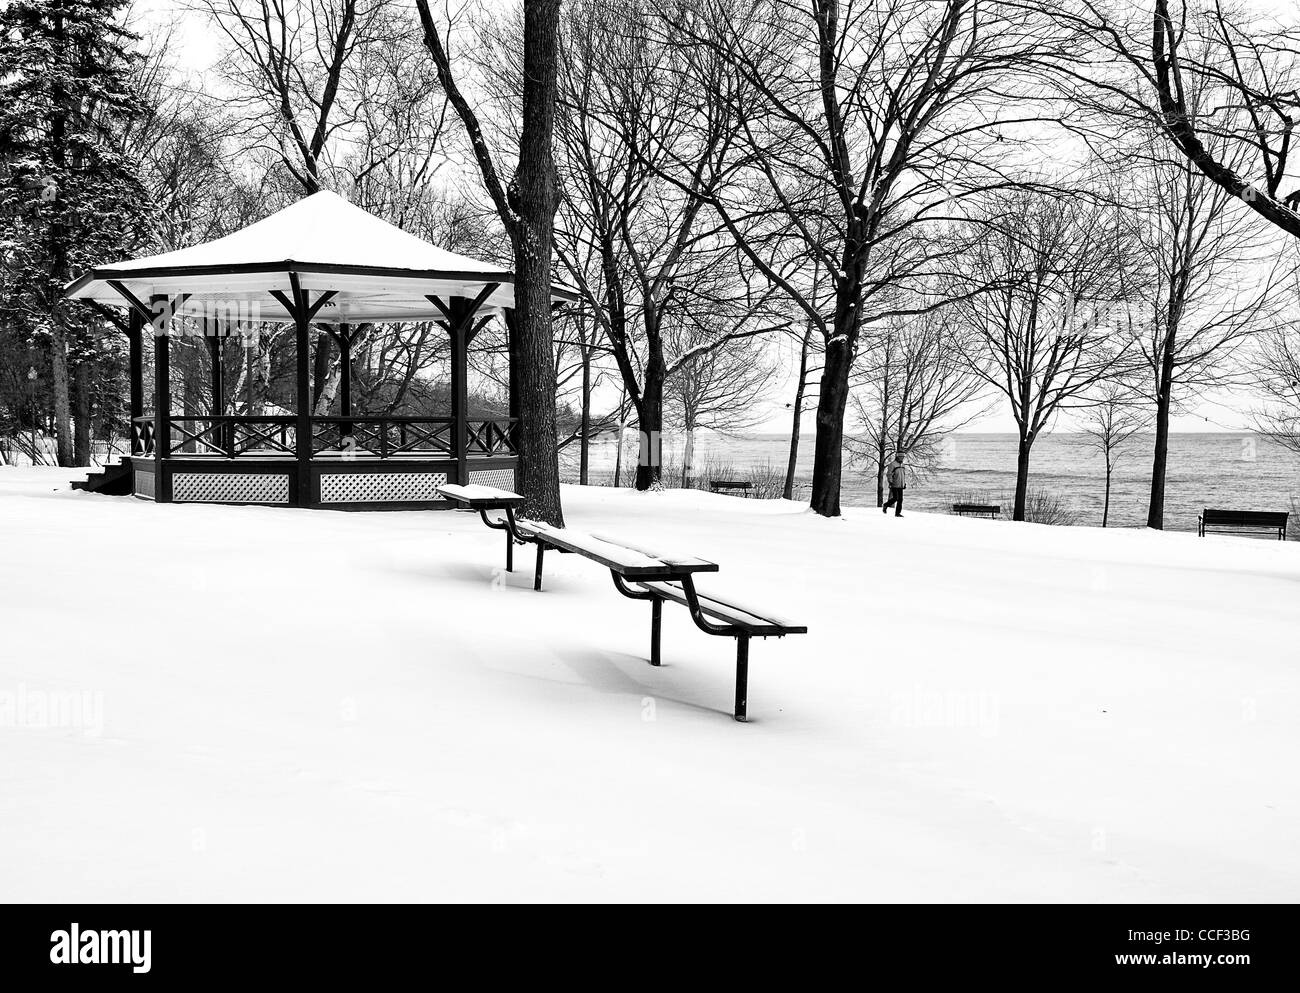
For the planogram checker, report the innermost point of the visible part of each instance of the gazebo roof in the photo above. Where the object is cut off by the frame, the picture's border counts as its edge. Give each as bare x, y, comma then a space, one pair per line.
378, 271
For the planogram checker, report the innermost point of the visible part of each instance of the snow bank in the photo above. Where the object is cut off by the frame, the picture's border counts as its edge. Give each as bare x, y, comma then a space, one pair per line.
211, 703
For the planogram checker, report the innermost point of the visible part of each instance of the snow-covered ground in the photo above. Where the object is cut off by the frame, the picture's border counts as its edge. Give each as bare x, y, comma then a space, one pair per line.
304, 705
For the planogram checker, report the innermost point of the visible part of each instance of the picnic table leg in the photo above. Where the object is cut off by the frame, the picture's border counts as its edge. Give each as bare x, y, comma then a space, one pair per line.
537, 577
656, 628
510, 551
742, 675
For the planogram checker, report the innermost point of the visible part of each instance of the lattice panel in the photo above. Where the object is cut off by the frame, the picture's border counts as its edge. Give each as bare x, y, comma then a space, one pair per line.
380, 487
230, 487
144, 485
502, 479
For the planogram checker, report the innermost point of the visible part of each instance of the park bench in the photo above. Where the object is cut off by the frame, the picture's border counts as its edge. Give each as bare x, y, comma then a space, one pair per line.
731, 486
485, 498
977, 509
712, 615
1242, 522
639, 575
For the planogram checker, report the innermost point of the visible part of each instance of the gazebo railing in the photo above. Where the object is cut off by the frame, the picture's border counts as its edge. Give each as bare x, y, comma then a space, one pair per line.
233, 435
385, 437
497, 436
142, 435
382, 437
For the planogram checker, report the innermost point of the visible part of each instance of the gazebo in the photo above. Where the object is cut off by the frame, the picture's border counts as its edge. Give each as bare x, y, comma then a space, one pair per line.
326, 267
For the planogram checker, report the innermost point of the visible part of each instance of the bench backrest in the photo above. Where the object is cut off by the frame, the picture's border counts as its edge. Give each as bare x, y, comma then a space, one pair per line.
735, 484
1245, 518
980, 508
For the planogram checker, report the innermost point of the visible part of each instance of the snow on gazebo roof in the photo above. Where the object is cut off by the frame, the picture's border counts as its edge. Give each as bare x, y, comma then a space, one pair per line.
378, 271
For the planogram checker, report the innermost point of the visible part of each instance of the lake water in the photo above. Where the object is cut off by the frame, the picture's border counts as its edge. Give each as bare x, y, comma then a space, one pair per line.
1205, 470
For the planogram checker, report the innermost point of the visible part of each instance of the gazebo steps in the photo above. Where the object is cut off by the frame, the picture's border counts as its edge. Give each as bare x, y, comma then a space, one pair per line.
113, 479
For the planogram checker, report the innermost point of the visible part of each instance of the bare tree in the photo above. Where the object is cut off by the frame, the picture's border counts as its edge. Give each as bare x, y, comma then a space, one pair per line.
714, 387
526, 208
806, 340
1276, 371
579, 351
1115, 416
864, 125
1054, 324
1211, 287
1241, 139
916, 387
292, 67
639, 247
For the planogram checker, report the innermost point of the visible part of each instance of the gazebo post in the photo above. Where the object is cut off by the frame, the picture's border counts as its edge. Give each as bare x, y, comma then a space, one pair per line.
216, 350
344, 338
302, 405
219, 372
161, 308
459, 396
135, 339
458, 321
302, 311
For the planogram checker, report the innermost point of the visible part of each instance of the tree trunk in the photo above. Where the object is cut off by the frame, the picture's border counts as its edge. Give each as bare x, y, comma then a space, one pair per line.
584, 451
688, 456
882, 436
320, 371
880, 473
191, 407
800, 386
828, 447
533, 198
325, 394
650, 423
82, 374
622, 433
1105, 507
262, 374
59, 114
1022, 476
341, 366
1160, 458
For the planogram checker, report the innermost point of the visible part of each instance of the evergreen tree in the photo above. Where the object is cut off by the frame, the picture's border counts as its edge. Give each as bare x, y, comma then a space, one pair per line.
69, 197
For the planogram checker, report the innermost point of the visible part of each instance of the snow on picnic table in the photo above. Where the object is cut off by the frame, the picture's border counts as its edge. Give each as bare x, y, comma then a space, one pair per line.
308, 705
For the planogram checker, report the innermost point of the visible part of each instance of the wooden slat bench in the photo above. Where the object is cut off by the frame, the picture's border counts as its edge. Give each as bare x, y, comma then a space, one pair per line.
1242, 522
638, 574
990, 510
731, 486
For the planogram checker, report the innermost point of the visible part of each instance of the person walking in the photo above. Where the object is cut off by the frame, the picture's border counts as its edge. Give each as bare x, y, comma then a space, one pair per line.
896, 476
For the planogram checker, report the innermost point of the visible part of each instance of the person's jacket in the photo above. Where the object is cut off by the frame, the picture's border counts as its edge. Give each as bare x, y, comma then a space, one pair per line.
898, 477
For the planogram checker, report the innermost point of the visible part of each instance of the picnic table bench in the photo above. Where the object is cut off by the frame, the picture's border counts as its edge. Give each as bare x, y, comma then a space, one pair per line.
638, 574
990, 510
483, 499
731, 486
1241, 522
